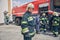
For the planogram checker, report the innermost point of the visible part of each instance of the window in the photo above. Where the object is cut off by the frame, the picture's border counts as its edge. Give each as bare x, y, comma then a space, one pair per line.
56, 2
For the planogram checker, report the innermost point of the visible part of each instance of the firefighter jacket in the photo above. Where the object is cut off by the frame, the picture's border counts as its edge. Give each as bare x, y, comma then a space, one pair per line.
44, 20
27, 24
55, 21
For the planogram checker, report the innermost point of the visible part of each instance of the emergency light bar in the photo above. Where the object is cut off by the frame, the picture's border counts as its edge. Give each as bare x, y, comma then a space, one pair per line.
43, 5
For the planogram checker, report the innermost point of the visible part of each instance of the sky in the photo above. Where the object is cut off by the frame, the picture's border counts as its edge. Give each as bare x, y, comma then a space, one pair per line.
20, 2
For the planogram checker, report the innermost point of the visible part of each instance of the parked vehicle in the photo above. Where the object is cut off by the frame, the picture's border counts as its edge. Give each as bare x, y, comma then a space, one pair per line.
40, 5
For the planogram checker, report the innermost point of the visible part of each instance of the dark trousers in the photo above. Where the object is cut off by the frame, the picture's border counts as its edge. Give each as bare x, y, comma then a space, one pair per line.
59, 30
55, 29
27, 38
43, 28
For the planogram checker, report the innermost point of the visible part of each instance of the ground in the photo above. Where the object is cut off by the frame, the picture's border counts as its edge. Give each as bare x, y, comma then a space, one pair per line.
13, 32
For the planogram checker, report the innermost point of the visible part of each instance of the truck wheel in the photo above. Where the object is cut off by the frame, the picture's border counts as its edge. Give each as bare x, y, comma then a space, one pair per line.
17, 21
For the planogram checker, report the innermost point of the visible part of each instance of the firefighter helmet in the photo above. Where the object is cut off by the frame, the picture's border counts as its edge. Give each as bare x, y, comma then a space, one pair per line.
44, 14
30, 5
55, 13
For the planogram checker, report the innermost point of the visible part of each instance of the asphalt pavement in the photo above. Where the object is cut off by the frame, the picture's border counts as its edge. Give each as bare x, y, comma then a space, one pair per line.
13, 32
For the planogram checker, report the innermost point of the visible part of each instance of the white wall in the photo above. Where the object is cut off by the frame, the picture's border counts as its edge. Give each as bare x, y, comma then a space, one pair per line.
3, 7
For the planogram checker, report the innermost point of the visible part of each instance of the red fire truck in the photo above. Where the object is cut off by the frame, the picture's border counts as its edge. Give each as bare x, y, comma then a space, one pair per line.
40, 5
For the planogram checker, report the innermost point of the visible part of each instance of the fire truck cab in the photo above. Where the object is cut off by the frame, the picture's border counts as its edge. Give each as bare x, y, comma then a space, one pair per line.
40, 6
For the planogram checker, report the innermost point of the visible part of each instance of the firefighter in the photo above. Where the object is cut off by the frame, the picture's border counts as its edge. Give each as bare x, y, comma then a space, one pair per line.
55, 23
44, 22
27, 23
6, 17
59, 23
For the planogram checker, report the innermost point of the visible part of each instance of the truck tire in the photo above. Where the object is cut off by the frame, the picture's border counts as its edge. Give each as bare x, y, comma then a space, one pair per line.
18, 21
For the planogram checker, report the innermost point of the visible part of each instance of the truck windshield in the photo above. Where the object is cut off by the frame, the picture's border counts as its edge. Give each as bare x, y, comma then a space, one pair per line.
56, 3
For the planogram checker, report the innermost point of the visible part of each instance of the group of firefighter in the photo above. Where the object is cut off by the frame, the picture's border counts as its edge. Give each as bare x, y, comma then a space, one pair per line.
31, 25
44, 23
